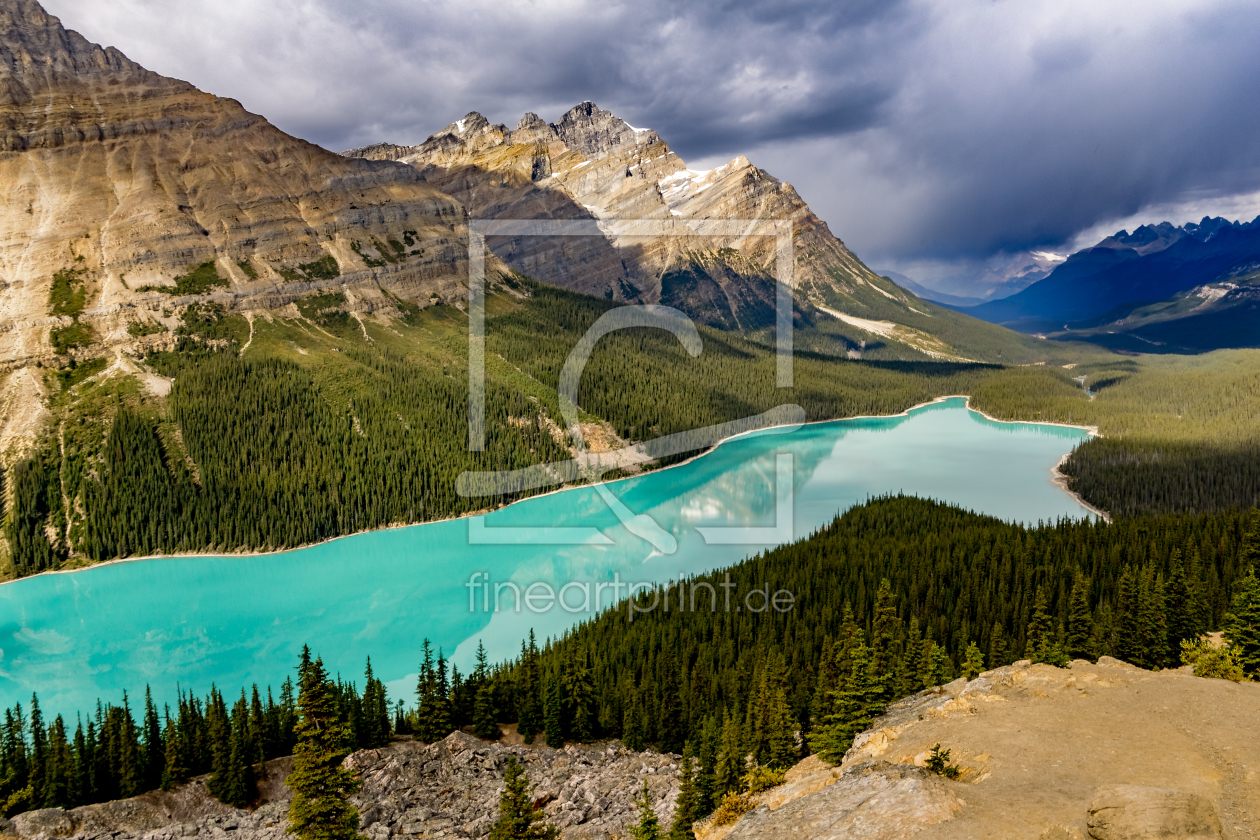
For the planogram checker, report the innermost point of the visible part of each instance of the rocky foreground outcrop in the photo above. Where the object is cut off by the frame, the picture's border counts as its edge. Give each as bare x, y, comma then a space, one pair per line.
449, 789
1105, 751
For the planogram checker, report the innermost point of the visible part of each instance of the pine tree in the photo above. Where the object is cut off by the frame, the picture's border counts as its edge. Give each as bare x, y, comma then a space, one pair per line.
518, 818
484, 725
706, 766
154, 749
974, 662
1154, 625
1128, 618
1242, 624
649, 827
731, 759
1080, 633
320, 810
1040, 636
858, 700
997, 647
672, 728
632, 724
552, 711
685, 807
531, 687
433, 719
883, 635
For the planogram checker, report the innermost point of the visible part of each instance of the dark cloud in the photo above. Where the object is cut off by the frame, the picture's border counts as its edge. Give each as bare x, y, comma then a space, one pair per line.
931, 130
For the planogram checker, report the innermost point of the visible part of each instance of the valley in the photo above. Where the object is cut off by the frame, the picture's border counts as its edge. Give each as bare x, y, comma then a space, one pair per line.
249, 417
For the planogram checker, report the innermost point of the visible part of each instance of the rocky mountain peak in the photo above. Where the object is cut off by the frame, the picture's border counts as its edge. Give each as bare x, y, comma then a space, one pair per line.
594, 132
35, 50
532, 129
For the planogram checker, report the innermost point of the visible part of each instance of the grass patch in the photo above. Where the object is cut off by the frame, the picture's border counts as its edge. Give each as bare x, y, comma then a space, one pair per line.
75, 335
138, 329
318, 306
370, 262
199, 280
76, 373
68, 294
325, 268
248, 268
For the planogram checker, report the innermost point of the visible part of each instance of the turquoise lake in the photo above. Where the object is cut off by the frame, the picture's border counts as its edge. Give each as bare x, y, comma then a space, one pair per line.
193, 621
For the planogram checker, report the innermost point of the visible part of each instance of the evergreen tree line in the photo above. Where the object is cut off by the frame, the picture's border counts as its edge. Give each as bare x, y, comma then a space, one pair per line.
263, 453
895, 596
113, 755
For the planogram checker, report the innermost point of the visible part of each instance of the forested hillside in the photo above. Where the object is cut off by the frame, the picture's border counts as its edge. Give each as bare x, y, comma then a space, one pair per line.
285, 432
894, 596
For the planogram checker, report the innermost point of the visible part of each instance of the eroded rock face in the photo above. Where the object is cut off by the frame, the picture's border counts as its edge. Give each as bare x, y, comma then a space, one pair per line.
130, 179
449, 789
877, 801
593, 166
1133, 812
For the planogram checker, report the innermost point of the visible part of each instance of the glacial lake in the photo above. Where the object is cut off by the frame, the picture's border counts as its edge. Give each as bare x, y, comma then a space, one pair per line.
193, 621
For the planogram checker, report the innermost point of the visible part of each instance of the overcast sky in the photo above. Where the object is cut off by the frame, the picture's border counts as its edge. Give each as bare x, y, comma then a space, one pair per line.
930, 134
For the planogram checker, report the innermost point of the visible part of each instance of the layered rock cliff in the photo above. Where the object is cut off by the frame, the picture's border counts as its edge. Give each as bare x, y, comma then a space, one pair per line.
118, 181
593, 165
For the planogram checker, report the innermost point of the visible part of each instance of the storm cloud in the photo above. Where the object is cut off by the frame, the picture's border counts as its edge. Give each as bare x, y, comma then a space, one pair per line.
926, 132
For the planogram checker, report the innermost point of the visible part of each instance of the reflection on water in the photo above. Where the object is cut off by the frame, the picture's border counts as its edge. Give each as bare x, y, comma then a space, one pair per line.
229, 620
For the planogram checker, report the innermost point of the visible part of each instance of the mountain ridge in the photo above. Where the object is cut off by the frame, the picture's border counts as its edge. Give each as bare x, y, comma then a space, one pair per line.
1124, 271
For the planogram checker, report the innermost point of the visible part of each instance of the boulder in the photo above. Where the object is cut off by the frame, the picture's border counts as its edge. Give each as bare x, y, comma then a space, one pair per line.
1133, 812
52, 822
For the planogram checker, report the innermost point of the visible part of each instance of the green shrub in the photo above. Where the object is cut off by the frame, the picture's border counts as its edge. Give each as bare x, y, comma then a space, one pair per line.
68, 294
759, 779
138, 328
1208, 660
731, 808
248, 267
75, 374
199, 280
75, 335
938, 763
325, 268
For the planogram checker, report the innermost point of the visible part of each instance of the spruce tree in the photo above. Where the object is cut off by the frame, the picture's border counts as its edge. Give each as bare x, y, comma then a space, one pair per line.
858, 700
552, 712
320, 810
672, 728
706, 766
484, 726
1242, 624
685, 807
632, 724
731, 759
1080, 633
530, 689
974, 662
518, 818
883, 635
1128, 618
154, 749
1041, 641
649, 827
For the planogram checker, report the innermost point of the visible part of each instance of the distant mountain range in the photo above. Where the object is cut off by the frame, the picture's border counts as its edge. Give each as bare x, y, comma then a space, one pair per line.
1162, 287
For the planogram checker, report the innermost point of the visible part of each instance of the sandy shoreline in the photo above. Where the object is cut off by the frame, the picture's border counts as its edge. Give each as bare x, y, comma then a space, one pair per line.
1058, 479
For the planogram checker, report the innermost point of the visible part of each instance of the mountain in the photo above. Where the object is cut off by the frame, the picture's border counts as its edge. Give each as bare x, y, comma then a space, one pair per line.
929, 294
129, 196
1125, 271
1213, 316
592, 165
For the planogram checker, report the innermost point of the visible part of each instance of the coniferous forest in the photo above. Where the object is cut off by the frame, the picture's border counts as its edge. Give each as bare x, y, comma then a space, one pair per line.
278, 448
894, 596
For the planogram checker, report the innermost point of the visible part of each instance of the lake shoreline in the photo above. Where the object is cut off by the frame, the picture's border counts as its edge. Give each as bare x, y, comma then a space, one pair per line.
1058, 479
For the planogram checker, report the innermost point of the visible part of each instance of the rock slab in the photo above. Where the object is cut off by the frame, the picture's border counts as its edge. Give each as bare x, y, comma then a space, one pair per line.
1136, 812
